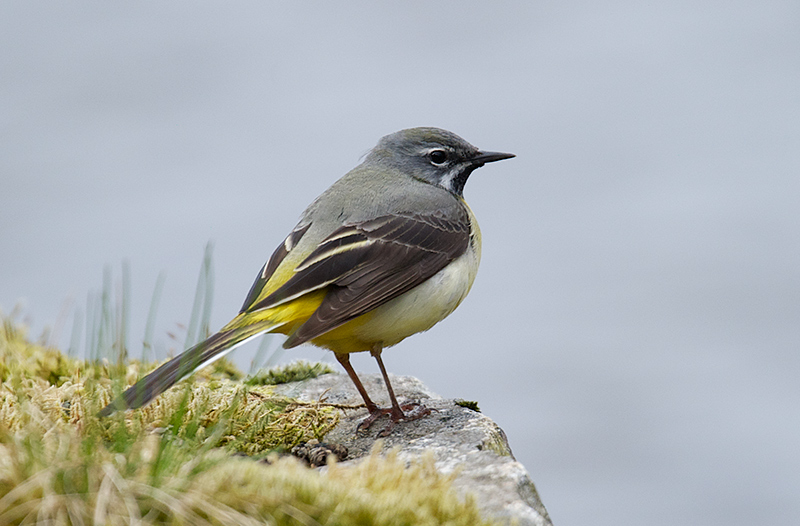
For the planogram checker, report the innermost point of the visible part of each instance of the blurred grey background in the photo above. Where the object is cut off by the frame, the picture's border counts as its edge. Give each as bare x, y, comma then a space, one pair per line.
635, 325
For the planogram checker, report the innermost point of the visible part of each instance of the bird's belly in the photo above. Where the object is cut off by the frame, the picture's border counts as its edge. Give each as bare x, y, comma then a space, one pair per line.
415, 311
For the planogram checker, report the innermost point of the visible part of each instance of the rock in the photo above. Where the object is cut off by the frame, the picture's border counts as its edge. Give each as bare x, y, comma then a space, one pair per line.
459, 439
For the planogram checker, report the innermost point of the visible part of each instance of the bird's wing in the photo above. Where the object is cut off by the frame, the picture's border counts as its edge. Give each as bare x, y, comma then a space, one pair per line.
269, 268
364, 265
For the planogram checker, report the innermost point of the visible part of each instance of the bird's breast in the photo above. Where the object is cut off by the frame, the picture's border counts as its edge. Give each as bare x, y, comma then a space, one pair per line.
414, 311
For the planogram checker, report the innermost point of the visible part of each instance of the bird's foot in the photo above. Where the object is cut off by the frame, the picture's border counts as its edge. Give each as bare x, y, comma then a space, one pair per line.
405, 412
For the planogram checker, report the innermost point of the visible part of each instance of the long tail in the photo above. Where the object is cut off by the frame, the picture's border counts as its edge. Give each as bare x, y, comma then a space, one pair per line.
194, 358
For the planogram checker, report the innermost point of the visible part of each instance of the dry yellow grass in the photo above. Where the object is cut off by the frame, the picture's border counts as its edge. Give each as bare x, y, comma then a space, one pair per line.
175, 461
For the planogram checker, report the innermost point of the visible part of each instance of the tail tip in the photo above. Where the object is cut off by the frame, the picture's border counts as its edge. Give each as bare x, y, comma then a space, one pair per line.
107, 411
116, 405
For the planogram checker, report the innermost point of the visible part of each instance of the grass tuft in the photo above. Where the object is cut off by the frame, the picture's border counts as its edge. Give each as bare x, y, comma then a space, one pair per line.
179, 460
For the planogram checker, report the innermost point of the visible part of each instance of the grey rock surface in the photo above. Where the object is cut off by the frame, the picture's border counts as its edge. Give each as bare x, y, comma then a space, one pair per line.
460, 439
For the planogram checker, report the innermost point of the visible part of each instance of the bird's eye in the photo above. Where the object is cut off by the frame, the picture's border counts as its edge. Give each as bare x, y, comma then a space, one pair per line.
438, 157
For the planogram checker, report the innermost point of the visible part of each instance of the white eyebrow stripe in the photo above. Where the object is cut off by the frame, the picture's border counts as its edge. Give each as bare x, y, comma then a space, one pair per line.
426, 151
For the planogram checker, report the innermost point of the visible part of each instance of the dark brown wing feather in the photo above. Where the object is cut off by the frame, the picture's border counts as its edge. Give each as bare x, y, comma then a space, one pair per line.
365, 265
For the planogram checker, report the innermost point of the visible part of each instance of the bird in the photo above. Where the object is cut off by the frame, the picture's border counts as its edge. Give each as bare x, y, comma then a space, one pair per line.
388, 251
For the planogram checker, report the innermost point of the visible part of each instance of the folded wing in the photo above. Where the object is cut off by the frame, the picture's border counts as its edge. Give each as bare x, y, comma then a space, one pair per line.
364, 265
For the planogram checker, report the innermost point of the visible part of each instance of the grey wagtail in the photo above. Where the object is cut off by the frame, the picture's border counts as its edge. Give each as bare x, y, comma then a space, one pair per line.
388, 251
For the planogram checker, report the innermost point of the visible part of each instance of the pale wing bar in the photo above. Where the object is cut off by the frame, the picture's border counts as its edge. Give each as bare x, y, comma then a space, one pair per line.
403, 251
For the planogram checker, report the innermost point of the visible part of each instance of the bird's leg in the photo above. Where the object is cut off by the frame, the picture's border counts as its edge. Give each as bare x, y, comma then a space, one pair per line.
344, 359
375, 412
396, 413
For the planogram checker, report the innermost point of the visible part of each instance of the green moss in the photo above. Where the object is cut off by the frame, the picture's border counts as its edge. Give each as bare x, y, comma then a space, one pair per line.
293, 372
172, 463
469, 404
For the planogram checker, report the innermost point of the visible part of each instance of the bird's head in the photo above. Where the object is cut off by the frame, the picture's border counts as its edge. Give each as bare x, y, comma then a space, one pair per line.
432, 155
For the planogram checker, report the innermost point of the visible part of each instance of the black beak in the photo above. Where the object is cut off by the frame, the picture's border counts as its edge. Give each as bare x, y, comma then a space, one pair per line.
490, 157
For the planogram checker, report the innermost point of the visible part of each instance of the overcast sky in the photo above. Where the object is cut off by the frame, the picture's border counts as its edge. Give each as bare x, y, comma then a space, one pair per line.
635, 325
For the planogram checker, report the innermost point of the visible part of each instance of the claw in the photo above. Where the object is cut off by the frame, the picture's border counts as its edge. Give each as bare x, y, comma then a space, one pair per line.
373, 416
406, 413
